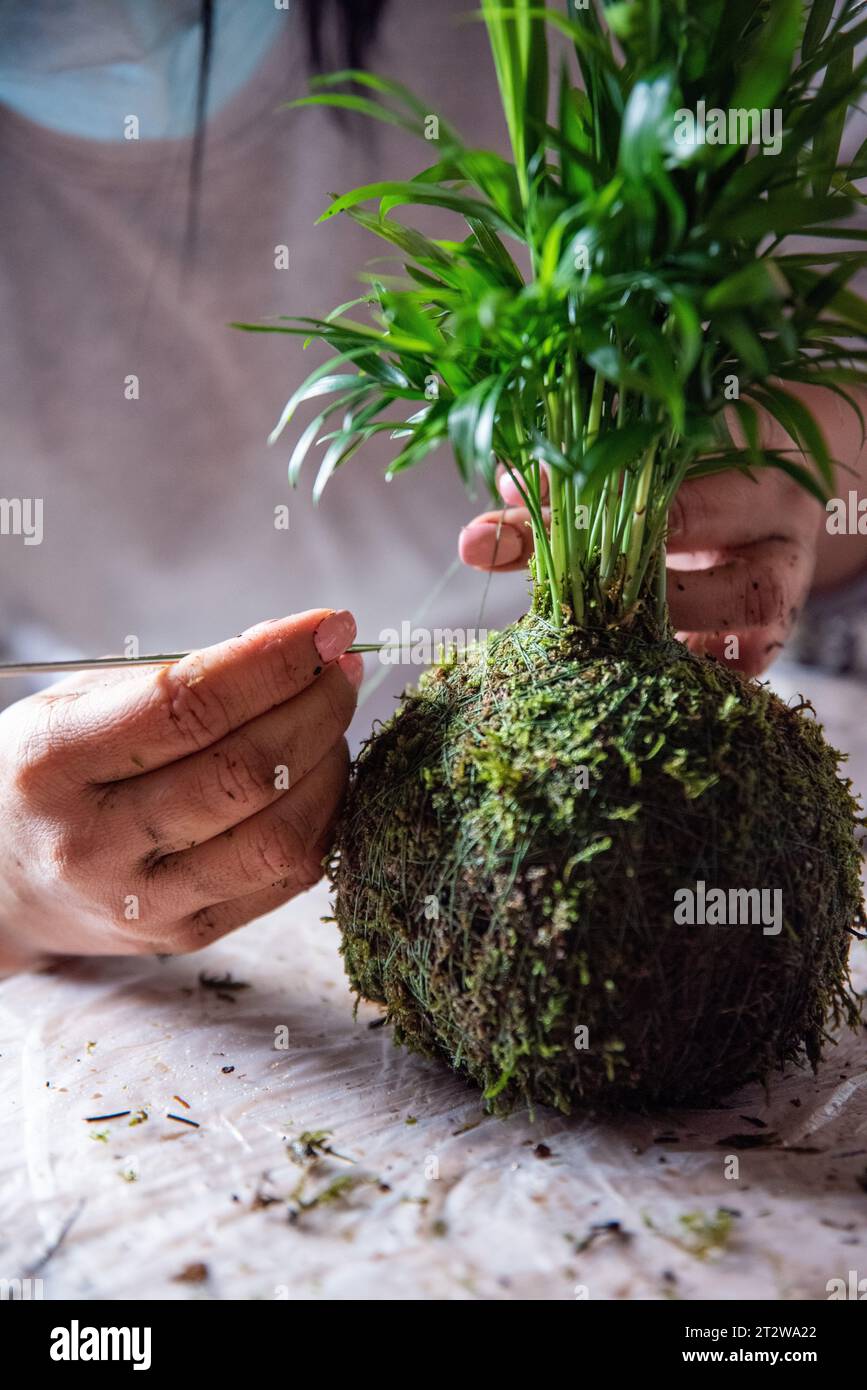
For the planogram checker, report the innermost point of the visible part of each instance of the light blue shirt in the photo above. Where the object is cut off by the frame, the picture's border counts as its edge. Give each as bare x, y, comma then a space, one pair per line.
84, 67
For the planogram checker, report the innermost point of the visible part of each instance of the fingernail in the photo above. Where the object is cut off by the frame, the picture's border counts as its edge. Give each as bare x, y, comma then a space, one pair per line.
334, 634
509, 491
352, 667
488, 544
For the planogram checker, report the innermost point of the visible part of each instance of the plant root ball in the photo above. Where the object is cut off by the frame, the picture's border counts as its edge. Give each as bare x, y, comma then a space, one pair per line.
517, 840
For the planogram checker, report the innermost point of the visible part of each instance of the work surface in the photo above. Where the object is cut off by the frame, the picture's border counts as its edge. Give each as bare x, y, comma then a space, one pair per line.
421, 1195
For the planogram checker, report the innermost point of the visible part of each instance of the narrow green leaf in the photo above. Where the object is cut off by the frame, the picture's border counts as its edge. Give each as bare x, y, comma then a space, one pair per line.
753, 283
618, 448
772, 49
423, 194
817, 23
799, 423
826, 146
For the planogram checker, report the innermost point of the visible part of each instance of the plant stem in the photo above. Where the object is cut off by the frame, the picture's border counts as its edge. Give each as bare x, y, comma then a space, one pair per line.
636, 562
661, 585
575, 572
558, 538
595, 417
529, 485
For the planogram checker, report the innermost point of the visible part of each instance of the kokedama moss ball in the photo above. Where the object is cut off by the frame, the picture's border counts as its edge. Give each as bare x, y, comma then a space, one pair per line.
526, 841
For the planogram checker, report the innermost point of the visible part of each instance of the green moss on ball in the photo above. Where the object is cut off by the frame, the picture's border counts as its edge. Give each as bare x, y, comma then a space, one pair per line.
507, 864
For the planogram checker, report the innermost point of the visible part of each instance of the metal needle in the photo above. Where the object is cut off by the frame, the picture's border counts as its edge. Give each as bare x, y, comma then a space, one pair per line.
97, 663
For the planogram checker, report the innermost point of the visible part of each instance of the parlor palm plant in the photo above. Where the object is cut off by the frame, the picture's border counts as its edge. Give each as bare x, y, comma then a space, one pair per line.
613, 296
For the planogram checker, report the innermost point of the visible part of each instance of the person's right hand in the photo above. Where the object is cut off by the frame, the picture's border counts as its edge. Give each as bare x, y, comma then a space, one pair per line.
155, 810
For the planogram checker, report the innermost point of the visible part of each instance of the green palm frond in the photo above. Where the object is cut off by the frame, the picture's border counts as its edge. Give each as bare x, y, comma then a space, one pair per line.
663, 273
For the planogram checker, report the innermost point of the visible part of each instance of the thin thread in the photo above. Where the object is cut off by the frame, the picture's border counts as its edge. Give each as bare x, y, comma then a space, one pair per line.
487, 587
372, 685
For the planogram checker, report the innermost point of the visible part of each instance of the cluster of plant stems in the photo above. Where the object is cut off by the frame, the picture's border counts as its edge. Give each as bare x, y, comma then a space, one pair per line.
604, 542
